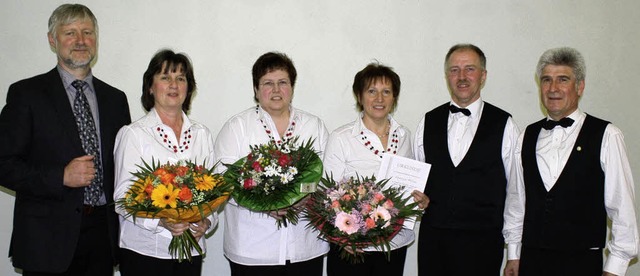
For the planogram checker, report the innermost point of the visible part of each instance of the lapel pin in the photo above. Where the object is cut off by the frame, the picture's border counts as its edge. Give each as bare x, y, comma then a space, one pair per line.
579, 148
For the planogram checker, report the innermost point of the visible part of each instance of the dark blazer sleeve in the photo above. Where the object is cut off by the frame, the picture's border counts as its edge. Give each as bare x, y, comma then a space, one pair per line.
38, 138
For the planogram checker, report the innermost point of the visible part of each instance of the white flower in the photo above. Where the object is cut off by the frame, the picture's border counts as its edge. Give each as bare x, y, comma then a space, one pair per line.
293, 170
271, 170
284, 179
336, 194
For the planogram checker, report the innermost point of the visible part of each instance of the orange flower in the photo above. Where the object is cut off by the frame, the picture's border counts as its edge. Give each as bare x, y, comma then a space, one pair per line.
370, 223
185, 195
148, 189
181, 170
164, 175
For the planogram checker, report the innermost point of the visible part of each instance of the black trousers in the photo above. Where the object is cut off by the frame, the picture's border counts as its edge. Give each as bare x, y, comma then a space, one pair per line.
375, 263
454, 252
134, 264
311, 267
92, 256
549, 262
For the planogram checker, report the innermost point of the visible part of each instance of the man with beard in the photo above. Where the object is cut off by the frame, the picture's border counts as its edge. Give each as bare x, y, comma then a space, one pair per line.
469, 144
57, 132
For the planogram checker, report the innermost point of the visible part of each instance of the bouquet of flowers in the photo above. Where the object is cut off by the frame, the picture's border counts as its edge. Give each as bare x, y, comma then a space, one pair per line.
358, 212
179, 192
275, 176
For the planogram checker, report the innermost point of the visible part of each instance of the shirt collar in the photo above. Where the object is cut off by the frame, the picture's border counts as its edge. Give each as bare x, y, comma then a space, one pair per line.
152, 120
360, 127
578, 117
68, 78
262, 114
475, 108
575, 115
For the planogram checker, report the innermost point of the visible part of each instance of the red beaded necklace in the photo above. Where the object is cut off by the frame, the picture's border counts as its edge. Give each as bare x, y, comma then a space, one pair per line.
186, 140
392, 148
287, 135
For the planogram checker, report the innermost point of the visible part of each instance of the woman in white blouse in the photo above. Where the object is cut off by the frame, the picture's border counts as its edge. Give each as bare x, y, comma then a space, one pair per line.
253, 244
164, 134
356, 149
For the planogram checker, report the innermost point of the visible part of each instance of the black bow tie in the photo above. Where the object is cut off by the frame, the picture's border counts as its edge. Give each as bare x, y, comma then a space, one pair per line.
455, 109
564, 122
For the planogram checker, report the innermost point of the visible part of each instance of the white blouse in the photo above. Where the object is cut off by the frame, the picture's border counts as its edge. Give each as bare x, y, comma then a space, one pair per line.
252, 238
347, 156
141, 140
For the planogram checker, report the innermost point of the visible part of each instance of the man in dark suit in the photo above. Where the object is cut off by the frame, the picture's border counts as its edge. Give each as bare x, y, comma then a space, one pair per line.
469, 144
50, 159
571, 174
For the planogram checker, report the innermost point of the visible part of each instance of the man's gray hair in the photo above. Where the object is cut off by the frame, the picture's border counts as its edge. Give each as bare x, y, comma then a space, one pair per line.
563, 56
69, 13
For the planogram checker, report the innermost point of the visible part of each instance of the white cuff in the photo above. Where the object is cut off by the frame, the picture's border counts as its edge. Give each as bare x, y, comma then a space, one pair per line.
513, 251
616, 265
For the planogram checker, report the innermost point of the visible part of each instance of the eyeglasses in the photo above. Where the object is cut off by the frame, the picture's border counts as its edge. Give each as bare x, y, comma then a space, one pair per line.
270, 84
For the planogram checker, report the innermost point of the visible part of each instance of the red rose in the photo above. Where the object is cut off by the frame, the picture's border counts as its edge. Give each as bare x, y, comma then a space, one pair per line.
284, 160
256, 166
249, 183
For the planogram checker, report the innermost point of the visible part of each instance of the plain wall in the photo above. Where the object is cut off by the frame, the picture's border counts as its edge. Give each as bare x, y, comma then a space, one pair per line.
329, 41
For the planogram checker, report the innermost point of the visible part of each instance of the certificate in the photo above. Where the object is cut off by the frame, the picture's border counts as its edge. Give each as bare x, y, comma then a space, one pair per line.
406, 173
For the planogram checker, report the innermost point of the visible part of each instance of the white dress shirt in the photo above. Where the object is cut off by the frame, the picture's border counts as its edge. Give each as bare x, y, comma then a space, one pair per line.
552, 152
253, 238
347, 156
141, 140
460, 132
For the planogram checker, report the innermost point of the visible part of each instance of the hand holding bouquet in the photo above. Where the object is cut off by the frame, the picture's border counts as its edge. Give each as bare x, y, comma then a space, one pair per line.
356, 213
181, 192
276, 176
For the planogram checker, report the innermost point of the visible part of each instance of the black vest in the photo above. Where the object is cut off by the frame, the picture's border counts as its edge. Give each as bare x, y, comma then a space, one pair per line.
572, 214
472, 195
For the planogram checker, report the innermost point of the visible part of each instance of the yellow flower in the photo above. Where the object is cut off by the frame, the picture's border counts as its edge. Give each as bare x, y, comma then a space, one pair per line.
206, 182
137, 190
164, 195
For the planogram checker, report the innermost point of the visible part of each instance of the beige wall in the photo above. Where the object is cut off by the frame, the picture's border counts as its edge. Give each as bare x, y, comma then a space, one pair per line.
331, 40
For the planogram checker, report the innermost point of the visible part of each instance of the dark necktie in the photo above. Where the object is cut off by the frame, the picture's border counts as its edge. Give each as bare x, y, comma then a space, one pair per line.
455, 109
564, 122
89, 138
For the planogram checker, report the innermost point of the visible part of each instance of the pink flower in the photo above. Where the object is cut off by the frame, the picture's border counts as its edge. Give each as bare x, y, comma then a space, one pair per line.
388, 204
365, 209
346, 223
249, 183
383, 214
346, 197
335, 204
378, 196
369, 223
